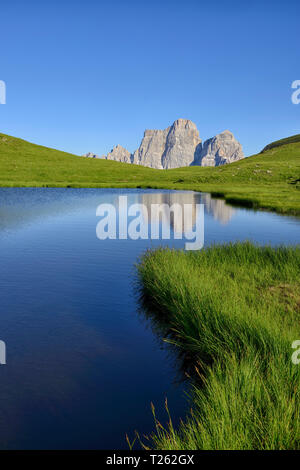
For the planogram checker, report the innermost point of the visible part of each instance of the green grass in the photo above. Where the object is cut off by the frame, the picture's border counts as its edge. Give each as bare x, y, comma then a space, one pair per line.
268, 181
278, 143
233, 312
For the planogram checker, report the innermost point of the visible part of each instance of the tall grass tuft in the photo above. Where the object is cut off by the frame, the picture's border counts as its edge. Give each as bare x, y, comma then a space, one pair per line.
233, 311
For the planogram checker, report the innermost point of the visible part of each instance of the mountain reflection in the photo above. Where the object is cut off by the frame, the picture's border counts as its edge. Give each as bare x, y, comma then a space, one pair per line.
216, 207
22, 206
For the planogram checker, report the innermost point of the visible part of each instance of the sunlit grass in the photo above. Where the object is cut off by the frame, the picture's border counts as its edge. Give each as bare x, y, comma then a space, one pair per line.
234, 311
270, 180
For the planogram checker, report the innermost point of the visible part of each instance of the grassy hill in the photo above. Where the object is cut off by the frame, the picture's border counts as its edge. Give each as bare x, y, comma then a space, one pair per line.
278, 143
270, 180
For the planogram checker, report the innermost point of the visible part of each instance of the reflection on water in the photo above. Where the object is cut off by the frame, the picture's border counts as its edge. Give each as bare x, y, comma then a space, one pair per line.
16, 208
82, 366
218, 208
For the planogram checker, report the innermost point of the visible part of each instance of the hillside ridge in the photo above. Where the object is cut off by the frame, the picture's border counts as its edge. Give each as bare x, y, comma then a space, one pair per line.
269, 180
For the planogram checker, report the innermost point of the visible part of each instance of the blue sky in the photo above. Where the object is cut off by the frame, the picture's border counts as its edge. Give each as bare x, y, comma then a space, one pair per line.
86, 75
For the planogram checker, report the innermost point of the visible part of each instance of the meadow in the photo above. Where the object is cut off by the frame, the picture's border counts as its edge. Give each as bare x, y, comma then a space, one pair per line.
269, 180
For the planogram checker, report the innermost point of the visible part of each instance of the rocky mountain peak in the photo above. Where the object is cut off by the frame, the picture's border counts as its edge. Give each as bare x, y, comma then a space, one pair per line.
219, 150
120, 154
180, 145
184, 124
91, 155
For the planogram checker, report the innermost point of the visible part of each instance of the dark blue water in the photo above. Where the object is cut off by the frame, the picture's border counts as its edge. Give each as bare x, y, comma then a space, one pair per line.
83, 364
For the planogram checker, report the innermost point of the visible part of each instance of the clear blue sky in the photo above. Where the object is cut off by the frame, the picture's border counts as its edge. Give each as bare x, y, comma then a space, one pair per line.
86, 75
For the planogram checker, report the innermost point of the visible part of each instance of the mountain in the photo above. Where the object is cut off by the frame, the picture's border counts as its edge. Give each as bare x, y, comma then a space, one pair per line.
219, 150
173, 147
180, 145
269, 180
152, 147
91, 155
119, 154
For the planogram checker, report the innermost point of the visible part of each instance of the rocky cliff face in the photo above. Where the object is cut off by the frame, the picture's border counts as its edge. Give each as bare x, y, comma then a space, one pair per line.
91, 155
180, 145
173, 147
152, 147
120, 154
219, 150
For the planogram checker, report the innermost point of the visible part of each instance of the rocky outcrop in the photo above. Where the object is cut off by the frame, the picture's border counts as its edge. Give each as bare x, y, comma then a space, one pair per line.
91, 155
173, 147
152, 148
119, 154
182, 146
219, 150
179, 145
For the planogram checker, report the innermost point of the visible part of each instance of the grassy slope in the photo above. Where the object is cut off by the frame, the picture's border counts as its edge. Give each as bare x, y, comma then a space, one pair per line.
269, 180
279, 143
233, 312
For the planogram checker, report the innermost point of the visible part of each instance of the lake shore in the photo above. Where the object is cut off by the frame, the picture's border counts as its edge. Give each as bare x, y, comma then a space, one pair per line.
233, 313
268, 181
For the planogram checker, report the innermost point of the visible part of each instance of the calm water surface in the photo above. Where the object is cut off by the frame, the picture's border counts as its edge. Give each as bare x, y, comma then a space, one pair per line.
83, 364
